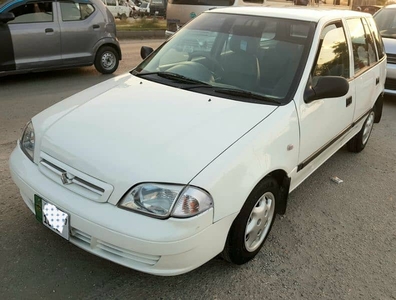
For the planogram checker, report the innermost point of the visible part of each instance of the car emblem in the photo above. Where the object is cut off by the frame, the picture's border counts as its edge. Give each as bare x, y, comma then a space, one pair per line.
67, 178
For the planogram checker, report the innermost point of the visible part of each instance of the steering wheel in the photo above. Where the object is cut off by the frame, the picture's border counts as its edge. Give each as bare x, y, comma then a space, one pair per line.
215, 67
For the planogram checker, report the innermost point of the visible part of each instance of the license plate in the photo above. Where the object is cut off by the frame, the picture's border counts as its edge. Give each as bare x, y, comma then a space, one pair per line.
52, 217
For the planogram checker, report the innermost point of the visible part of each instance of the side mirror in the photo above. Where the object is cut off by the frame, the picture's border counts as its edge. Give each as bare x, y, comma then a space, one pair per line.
325, 87
169, 33
6, 17
145, 51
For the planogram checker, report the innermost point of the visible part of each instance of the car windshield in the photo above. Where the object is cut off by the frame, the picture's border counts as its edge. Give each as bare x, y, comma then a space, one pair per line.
386, 22
227, 54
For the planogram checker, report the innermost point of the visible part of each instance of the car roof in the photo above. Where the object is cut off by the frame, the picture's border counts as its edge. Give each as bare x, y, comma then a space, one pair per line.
303, 14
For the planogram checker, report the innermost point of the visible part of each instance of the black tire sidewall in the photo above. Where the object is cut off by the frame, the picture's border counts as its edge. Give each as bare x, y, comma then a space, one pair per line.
98, 60
235, 246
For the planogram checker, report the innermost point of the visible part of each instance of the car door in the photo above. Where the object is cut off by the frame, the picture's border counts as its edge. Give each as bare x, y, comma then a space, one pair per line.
82, 26
324, 121
7, 60
35, 35
364, 58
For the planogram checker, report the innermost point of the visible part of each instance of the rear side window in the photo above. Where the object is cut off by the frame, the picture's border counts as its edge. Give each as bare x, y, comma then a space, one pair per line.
377, 38
333, 56
75, 11
33, 12
372, 55
362, 44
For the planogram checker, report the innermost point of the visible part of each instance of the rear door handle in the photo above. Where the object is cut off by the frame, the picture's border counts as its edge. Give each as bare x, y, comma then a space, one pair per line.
348, 101
376, 81
49, 30
96, 26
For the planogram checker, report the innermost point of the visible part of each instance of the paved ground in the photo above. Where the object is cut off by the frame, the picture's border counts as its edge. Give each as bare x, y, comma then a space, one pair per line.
335, 242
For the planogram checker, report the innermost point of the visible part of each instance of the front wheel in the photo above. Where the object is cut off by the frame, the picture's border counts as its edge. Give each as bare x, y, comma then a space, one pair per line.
359, 141
253, 224
106, 61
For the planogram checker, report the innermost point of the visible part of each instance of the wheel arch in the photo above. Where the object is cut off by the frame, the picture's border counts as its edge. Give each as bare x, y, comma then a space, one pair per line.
378, 105
110, 43
284, 186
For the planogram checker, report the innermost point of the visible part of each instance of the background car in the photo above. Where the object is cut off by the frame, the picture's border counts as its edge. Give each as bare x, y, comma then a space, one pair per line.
119, 8
386, 22
44, 35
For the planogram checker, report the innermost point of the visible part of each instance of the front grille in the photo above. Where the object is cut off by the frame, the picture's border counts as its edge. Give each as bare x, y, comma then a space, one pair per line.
391, 58
110, 251
79, 183
390, 84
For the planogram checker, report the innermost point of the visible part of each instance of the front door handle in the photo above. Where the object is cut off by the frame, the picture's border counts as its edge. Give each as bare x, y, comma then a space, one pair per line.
49, 30
348, 101
96, 26
376, 81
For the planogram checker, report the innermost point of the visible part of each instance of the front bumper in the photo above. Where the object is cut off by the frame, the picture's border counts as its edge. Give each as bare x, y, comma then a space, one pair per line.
160, 247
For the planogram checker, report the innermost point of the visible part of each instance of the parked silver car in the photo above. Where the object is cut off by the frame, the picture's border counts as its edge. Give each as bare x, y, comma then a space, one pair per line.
386, 23
48, 34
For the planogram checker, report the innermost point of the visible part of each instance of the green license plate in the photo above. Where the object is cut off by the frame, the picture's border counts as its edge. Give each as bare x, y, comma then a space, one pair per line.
52, 217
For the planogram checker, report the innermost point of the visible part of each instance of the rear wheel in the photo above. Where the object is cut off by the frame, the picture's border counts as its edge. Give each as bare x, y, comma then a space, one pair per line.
106, 61
359, 141
123, 17
253, 224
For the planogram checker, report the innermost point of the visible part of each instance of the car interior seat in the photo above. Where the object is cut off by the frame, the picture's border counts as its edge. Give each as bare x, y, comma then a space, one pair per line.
279, 68
241, 65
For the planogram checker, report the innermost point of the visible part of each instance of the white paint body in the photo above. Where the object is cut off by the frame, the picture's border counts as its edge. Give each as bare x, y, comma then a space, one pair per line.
129, 130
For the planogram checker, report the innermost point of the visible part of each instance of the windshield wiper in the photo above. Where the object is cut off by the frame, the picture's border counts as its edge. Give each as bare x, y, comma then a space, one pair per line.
245, 94
173, 76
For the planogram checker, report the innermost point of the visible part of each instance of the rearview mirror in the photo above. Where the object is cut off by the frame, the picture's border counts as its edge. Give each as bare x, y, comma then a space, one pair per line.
145, 51
6, 17
325, 87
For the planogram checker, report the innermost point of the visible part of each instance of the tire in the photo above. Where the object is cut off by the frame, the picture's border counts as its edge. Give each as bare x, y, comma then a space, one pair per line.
359, 141
106, 60
251, 227
123, 17
378, 109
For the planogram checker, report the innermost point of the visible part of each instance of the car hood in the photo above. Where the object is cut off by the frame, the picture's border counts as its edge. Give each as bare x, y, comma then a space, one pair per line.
141, 131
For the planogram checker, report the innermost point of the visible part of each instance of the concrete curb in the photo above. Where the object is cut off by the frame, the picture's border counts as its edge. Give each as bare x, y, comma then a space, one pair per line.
146, 34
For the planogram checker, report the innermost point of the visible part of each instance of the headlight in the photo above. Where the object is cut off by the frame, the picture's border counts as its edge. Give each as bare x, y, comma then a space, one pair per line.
163, 200
27, 141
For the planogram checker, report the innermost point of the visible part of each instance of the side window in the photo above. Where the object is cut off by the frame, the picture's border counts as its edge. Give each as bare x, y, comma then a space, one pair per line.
372, 55
33, 12
377, 38
360, 45
333, 57
111, 3
75, 11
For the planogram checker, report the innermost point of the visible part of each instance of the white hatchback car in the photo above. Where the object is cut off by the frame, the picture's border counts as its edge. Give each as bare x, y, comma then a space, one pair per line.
195, 151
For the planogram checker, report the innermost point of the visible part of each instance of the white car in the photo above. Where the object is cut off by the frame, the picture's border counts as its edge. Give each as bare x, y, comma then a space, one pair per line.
195, 151
119, 8
386, 22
